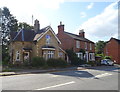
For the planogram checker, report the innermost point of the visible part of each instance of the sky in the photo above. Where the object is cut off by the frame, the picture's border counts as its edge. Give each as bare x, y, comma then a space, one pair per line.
98, 18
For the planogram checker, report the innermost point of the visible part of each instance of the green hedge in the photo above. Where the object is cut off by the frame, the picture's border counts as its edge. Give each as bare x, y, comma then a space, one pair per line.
92, 63
38, 62
56, 62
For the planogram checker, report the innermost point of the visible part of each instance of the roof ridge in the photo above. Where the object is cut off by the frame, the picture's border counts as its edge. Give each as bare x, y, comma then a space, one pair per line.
79, 37
17, 34
45, 27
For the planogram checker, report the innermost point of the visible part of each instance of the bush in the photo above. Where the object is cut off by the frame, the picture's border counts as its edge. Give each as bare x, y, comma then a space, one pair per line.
72, 57
107, 57
56, 62
5, 61
38, 62
92, 63
26, 63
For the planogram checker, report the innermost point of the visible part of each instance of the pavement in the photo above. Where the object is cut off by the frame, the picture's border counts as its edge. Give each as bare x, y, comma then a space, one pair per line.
29, 71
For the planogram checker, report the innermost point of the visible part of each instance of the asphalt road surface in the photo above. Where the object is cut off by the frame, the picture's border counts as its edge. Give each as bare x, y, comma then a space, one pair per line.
98, 78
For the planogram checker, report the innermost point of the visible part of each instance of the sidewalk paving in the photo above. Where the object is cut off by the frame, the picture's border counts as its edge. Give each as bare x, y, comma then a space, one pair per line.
29, 71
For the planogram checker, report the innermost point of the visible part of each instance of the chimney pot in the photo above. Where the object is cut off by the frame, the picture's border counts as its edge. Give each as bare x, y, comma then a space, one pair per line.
60, 28
82, 33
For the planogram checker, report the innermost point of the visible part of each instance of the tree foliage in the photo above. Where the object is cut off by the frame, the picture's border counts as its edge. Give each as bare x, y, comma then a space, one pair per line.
24, 25
8, 24
73, 58
100, 47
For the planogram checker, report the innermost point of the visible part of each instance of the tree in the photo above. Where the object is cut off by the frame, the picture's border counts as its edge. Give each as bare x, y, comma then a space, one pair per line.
24, 25
99, 47
8, 24
73, 57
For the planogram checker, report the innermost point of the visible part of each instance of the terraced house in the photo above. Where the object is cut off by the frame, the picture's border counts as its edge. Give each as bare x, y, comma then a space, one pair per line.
26, 44
77, 42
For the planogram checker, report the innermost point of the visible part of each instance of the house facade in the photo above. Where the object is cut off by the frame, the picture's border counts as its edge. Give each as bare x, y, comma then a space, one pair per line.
77, 42
26, 44
112, 48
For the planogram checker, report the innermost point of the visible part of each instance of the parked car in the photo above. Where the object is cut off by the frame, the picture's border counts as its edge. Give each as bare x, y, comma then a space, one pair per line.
107, 62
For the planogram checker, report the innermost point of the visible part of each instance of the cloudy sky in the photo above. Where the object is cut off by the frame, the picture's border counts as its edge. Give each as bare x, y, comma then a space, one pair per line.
98, 19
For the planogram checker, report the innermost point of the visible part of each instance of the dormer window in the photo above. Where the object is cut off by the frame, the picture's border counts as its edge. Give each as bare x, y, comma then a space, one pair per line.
48, 38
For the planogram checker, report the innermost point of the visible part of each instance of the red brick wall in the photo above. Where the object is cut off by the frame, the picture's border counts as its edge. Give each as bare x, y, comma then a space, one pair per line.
82, 46
67, 42
113, 49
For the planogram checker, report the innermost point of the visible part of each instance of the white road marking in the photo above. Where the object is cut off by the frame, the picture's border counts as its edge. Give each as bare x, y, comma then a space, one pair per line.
102, 75
78, 73
55, 75
57, 85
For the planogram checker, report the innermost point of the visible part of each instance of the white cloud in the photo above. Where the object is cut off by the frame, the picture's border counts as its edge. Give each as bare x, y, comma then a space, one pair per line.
83, 14
23, 9
102, 26
90, 6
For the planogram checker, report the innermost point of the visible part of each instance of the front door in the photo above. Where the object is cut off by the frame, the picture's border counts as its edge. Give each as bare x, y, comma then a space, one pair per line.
26, 56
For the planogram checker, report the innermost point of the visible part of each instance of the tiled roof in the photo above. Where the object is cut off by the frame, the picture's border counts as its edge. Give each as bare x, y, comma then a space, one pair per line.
40, 33
77, 37
27, 35
24, 35
13, 34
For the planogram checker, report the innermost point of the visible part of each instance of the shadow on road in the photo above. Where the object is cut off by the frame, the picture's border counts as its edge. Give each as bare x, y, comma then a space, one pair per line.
106, 68
83, 74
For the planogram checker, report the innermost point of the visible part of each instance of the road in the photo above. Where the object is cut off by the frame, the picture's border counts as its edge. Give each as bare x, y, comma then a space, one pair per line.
98, 78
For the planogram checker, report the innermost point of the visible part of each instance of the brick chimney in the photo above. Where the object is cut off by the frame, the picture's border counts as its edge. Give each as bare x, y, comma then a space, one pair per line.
60, 28
82, 33
36, 25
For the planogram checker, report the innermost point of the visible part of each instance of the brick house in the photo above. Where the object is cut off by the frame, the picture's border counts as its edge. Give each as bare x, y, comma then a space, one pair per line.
26, 44
112, 48
77, 42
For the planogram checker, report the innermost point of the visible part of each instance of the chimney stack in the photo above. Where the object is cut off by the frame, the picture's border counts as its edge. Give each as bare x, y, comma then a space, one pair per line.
36, 26
82, 33
60, 28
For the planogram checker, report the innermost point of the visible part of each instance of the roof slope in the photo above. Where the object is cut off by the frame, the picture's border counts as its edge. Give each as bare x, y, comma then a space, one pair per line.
24, 35
13, 34
30, 35
40, 33
27, 35
117, 40
77, 37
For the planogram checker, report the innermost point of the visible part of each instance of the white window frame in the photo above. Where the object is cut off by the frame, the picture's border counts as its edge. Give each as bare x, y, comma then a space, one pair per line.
77, 44
17, 55
50, 54
80, 55
85, 45
90, 46
45, 54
